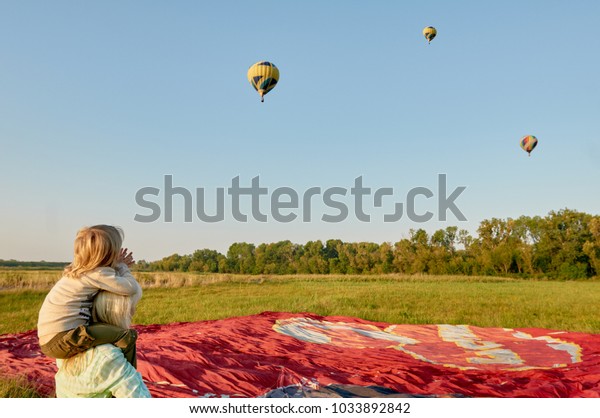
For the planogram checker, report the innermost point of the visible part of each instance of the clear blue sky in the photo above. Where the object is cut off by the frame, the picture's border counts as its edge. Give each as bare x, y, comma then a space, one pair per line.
100, 99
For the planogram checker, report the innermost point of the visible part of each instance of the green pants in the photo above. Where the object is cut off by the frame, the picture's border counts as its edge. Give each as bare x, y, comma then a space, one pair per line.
69, 343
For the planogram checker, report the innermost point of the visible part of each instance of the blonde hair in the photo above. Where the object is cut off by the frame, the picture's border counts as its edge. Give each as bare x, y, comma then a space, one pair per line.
111, 309
95, 246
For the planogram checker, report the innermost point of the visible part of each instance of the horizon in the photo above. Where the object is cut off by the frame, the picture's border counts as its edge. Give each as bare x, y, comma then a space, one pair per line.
224, 252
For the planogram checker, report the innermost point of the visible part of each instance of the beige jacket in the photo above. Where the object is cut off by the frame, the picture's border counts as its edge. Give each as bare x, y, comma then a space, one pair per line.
69, 303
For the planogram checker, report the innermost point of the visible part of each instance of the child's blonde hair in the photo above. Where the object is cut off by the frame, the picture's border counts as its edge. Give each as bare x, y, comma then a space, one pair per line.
108, 308
95, 246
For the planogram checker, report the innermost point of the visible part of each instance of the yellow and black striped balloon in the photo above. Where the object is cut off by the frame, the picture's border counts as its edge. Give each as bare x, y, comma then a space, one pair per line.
263, 76
528, 143
429, 33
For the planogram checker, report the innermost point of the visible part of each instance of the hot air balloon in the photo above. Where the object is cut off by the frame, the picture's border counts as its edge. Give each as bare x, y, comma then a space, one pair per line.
528, 143
263, 76
429, 33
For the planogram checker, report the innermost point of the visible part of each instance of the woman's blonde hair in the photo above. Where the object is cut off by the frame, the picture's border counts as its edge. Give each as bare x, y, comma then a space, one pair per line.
95, 246
113, 309
108, 308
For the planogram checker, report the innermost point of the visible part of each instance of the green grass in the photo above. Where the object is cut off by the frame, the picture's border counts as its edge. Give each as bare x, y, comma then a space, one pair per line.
17, 387
481, 301
555, 305
19, 310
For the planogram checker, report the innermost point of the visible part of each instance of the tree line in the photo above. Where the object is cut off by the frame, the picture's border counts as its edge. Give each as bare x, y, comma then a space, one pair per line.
562, 245
33, 265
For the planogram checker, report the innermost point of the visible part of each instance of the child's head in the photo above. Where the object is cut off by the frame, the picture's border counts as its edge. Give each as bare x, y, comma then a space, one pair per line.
96, 246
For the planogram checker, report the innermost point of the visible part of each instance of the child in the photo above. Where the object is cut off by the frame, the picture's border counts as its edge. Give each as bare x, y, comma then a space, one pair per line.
65, 323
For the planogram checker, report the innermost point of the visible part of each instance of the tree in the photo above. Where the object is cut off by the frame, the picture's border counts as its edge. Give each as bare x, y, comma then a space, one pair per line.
559, 251
206, 261
240, 258
276, 258
403, 256
592, 246
311, 258
384, 262
420, 242
332, 256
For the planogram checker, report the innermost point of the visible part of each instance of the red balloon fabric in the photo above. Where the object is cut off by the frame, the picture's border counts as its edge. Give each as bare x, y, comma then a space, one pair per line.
254, 355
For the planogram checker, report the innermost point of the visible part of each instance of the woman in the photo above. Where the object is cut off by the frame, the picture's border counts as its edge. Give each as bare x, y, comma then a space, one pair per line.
103, 371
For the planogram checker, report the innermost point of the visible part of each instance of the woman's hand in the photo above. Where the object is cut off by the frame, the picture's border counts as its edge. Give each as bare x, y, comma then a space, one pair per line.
125, 257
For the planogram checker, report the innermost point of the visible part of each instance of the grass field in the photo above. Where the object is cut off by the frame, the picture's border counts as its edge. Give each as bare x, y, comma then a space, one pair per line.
482, 301
17, 387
